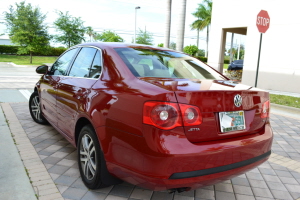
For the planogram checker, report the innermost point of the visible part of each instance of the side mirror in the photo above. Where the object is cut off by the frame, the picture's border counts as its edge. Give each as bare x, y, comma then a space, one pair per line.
43, 69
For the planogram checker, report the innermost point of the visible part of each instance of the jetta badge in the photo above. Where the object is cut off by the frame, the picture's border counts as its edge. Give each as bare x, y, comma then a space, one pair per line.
237, 100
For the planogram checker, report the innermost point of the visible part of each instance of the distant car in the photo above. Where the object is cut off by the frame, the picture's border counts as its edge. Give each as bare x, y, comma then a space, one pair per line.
236, 65
151, 116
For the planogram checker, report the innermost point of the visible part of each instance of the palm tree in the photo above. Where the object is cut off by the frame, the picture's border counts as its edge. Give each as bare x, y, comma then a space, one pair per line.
181, 25
90, 32
168, 24
203, 15
95, 35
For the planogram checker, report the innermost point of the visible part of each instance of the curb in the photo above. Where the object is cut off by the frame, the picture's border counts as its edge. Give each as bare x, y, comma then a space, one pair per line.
14, 180
13, 64
285, 110
39, 177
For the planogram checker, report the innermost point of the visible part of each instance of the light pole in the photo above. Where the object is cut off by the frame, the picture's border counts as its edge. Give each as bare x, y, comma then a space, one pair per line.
135, 22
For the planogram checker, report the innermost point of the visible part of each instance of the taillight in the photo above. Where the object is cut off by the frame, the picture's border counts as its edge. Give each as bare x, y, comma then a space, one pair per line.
167, 115
162, 115
191, 115
265, 110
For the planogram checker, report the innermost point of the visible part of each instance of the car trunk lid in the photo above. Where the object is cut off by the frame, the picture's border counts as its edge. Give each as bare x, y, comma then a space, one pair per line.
215, 98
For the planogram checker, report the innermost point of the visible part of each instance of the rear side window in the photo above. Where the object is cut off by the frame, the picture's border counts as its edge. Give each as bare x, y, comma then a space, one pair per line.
61, 65
83, 62
165, 64
96, 66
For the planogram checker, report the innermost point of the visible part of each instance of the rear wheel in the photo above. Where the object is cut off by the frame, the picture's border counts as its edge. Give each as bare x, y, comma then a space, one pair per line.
89, 158
35, 109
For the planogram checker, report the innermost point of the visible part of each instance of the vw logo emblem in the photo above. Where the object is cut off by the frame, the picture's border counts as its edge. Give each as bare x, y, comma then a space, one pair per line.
237, 100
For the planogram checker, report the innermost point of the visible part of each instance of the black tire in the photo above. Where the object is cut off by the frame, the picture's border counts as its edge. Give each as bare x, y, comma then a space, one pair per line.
35, 109
89, 158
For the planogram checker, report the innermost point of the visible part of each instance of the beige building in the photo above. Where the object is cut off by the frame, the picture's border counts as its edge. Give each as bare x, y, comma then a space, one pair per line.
279, 68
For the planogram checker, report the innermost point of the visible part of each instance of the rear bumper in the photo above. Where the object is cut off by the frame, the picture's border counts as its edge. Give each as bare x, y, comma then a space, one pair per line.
166, 159
158, 184
215, 170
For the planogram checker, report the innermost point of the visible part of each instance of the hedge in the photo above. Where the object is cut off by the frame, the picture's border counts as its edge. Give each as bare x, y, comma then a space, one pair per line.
204, 59
8, 49
52, 51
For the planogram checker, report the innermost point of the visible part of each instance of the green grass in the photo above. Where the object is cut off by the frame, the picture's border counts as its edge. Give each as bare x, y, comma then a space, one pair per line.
24, 60
225, 66
285, 100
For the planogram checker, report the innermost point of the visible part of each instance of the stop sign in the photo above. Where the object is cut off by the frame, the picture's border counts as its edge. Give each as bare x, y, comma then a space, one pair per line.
263, 21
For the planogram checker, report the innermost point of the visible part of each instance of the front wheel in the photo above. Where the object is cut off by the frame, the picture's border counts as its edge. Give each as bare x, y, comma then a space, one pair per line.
35, 109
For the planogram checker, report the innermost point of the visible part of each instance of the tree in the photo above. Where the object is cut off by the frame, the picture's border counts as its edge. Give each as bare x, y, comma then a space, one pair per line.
71, 29
144, 37
95, 35
203, 15
191, 50
168, 23
181, 27
232, 52
27, 29
172, 45
90, 32
201, 52
109, 36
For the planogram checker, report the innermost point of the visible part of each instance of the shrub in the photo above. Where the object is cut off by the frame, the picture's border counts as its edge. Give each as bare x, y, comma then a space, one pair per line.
203, 59
234, 74
191, 50
52, 51
226, 61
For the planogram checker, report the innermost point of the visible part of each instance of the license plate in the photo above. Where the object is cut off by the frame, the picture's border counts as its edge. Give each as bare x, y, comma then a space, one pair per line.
232, 121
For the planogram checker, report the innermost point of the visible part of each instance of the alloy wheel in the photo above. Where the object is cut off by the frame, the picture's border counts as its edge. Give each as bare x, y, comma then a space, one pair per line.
88, 157
35, 108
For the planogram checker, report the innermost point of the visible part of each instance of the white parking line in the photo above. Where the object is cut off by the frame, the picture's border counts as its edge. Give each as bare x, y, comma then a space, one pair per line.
26, 94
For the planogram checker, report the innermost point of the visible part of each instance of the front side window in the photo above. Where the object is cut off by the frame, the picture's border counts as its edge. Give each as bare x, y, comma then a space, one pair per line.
166, 64
83, 62
61, 65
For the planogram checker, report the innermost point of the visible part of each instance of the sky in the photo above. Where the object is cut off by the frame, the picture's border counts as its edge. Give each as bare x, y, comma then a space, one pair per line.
119, 16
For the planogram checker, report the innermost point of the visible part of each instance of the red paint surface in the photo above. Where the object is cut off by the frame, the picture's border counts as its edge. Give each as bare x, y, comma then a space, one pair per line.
143, 154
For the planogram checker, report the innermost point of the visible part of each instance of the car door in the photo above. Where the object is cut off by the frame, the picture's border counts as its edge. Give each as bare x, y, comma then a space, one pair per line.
74, 88
50, 82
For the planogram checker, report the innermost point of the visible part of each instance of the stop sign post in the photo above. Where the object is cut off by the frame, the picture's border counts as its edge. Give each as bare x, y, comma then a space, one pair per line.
263, 24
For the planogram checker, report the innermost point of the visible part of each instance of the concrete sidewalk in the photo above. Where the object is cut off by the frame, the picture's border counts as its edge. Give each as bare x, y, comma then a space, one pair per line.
14, 182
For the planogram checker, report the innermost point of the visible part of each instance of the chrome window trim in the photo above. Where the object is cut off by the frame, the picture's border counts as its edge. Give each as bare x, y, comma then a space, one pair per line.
61, 56
69, 67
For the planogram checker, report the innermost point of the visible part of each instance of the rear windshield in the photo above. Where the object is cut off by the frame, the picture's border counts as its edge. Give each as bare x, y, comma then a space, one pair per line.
166, 64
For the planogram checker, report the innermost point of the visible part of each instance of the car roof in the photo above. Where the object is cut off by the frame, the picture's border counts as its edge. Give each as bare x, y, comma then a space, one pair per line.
110, 45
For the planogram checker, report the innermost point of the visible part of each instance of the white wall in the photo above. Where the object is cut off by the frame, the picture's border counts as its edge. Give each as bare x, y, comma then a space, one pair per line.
279, 69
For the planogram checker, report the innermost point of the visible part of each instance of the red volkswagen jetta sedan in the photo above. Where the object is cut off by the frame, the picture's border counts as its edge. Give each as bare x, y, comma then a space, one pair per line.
153, 117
